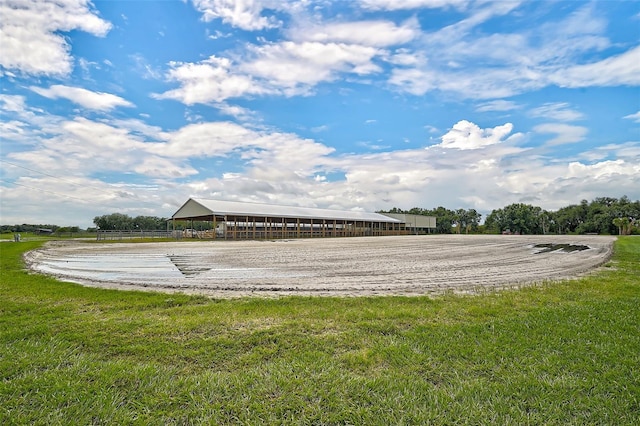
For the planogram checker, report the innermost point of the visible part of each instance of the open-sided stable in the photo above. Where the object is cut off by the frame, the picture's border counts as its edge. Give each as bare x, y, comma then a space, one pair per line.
239, 220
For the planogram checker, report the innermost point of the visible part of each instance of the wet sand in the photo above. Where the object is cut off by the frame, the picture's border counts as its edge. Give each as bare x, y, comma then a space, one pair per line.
400, 265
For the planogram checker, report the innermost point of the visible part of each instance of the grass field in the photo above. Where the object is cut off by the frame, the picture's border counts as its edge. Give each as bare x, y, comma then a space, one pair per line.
564, 353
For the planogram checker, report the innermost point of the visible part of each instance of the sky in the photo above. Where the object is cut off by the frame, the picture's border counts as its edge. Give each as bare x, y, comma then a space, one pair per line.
135, 106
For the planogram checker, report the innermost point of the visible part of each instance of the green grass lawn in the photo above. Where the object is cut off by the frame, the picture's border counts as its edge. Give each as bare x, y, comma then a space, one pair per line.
563, 353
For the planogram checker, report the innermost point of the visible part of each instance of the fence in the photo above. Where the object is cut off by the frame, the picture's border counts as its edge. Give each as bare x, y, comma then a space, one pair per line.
136, 234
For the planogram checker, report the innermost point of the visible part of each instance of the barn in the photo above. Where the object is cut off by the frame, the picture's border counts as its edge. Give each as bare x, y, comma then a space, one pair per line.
233, 220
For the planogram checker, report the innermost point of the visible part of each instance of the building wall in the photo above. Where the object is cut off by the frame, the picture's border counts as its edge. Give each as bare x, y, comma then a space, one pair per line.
415, 220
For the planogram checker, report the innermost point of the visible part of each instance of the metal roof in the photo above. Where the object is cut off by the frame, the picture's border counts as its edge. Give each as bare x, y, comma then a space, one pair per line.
200, 208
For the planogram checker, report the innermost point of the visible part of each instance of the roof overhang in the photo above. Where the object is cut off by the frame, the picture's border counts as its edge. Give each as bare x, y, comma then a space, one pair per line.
202, 209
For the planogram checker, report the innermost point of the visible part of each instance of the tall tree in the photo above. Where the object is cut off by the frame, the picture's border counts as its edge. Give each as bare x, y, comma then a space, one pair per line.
467, 220
445, 219
518, 218
114, 221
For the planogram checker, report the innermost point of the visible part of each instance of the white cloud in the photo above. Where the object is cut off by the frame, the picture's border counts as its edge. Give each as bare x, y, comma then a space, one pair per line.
238, 112
290, 65
244, 14
86, 98
87, 147
212, 80
601, 170
557, 111
414, 80
465, 135
620, 70
364, 33
14, 103
284, 68
269, 153
583, 21
30, 34
206, 140
497, 105
457, 59
635, 117
319, 129
28, 123
405, 57
565, 133
463, 61
411, 4
628, 151
555, 185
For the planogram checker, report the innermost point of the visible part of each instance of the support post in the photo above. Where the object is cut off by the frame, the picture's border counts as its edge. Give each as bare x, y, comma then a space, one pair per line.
253, 219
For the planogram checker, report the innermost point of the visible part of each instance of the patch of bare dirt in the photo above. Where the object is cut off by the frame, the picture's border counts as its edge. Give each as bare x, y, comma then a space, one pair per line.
401, 265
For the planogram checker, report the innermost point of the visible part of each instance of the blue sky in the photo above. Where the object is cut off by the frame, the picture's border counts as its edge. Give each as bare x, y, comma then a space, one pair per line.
135, 106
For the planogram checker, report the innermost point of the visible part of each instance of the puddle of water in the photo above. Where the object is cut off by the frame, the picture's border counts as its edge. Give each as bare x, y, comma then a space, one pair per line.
112, 267
564, 248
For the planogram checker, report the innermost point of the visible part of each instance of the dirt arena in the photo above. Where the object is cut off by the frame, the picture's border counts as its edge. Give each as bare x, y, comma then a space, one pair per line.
401, 265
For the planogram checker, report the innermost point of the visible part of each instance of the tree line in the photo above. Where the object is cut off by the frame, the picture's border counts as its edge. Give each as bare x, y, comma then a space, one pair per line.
25, 227
40, 229
113, 221
603, 215
123, 222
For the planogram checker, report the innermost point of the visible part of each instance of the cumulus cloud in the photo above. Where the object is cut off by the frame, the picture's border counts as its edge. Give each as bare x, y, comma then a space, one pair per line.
30, 34
273, 153
86, 147
601, 169
285, 68
83, 97
466, 135
244, 14
212, 80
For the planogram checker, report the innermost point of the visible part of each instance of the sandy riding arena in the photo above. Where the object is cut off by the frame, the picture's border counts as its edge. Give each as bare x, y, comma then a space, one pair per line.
406, 265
